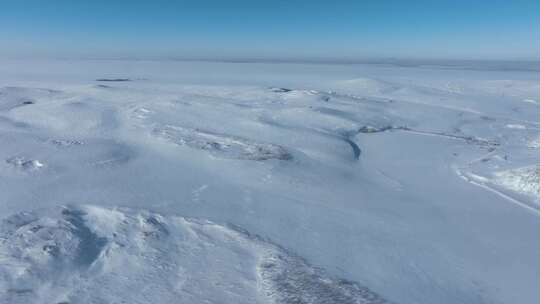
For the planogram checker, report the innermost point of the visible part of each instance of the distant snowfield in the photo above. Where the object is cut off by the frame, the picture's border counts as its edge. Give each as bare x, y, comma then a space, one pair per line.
139, 181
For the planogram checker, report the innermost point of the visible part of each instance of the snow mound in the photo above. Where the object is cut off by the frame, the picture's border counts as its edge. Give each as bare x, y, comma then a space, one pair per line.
524, 180
89, 254
222, 145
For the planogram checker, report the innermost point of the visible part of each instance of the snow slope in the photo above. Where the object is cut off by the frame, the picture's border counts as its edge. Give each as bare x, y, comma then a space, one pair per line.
148, 181
96, 255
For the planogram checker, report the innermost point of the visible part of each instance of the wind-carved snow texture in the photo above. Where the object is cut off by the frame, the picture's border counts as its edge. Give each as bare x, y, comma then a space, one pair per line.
98, 255
222, 145
524, 180
288, 279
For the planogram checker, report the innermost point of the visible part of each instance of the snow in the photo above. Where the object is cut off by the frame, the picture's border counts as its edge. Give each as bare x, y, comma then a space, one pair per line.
92, 254
516, 126
525, 180
534, 143
24, 164
149, 181
221, 144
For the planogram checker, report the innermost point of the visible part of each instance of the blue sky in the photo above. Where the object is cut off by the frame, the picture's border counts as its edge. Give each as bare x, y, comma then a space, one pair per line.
473, 29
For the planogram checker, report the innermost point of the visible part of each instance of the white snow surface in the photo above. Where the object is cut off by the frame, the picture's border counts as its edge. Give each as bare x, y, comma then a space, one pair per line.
525, 180
97, 255
206, 182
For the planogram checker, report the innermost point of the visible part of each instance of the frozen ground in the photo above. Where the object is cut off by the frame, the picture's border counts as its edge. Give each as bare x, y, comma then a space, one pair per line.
154, 182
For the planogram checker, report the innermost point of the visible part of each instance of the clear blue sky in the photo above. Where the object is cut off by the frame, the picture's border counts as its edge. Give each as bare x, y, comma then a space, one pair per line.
485, 29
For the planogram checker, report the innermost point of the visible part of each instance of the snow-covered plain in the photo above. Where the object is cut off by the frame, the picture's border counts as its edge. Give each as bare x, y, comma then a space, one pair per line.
199, 182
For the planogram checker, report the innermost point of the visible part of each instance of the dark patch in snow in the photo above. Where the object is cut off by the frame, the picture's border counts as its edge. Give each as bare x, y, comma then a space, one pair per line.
280, 90
372, 129
113, 79
356, 149
90, 244
222, 145
102, 86
154, 227
355, 98
19, 291
348, 137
